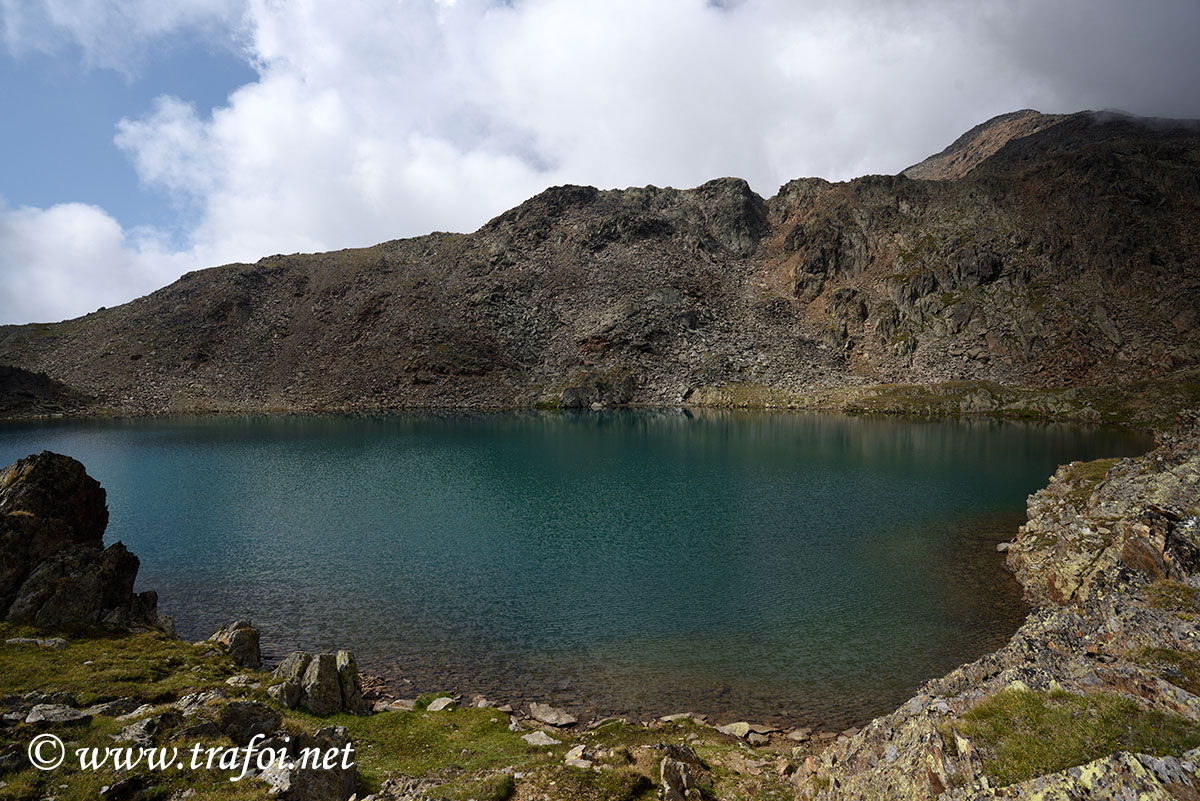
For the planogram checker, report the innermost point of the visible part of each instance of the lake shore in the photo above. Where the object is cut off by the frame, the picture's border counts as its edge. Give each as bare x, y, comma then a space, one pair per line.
1145, 404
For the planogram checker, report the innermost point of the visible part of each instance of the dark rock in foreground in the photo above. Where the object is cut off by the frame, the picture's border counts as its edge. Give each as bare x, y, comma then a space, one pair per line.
54, 568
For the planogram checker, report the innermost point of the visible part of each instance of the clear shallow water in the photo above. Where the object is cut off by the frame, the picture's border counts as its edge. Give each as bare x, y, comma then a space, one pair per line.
807, 568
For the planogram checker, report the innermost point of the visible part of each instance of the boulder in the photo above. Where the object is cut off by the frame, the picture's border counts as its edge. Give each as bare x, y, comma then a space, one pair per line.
119, 706
241, 720
539, 738
55, 643
54, 568
56, 713
240, 639
323, 684
551, 716
142, 732
322, 689
739, 729
350, 683
677, 780
192, 703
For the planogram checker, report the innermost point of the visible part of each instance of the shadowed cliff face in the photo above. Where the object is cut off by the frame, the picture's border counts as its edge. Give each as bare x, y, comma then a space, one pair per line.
54, 568
1065, 254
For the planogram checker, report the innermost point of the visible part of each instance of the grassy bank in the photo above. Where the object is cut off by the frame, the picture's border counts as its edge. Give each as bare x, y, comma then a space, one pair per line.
459, 753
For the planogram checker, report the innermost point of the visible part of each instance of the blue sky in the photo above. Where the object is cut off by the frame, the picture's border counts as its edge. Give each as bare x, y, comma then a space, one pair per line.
143, 139
67, 115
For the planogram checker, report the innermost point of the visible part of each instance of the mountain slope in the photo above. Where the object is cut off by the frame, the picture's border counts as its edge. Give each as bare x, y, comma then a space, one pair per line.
978, 144
1066, 257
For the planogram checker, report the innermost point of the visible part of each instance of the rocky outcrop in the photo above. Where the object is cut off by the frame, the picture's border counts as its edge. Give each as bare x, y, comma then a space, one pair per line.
54, 568
1122, 775
1109, 558
323, 684
1052, 253
1096, 517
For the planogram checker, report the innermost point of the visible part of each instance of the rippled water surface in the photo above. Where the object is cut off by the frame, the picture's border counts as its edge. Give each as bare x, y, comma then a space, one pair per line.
811, 569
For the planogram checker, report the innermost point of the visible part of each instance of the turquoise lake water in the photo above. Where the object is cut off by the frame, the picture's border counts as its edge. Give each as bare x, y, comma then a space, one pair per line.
801, 568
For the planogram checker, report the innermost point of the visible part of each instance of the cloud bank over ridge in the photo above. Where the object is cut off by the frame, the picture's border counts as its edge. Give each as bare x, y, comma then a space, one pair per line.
381, 119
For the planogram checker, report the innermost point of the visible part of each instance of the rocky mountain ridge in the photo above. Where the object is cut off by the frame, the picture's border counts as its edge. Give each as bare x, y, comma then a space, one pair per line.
1054, 252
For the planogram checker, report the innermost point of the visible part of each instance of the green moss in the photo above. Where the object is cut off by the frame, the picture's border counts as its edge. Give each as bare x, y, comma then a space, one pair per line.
455, 746
1171, 595
1021, 734
1084, 477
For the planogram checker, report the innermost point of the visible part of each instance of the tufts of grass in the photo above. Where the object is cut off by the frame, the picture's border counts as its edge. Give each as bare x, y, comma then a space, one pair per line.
1181, 668
586, 785
101, 664
455, 747
425, 700
496, 787
1021, 734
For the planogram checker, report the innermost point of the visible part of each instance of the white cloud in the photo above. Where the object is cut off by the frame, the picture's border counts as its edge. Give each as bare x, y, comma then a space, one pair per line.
71, 258
376, 119
386, 118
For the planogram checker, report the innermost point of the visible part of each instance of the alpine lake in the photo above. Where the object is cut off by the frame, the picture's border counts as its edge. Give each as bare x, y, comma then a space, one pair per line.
798, 568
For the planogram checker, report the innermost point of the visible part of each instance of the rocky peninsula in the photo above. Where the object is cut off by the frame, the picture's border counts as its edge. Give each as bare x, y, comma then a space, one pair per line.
1097, 695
